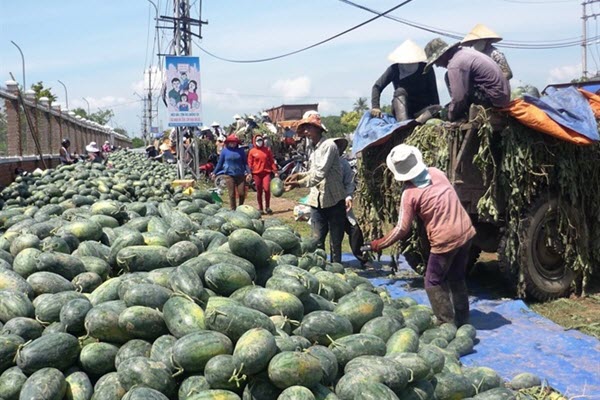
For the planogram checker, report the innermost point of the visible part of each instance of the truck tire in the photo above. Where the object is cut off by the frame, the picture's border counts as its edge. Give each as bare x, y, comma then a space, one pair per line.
547, 275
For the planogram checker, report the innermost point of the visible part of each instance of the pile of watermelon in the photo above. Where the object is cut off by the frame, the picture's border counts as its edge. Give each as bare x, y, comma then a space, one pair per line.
114, 286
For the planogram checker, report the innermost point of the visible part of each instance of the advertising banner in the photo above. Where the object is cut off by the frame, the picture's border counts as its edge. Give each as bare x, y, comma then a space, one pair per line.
183, 91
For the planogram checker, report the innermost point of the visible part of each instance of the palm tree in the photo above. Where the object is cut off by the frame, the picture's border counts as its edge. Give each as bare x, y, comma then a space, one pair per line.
360, 104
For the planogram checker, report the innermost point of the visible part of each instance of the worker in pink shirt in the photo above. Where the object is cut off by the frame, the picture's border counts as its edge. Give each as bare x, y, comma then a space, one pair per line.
429, 195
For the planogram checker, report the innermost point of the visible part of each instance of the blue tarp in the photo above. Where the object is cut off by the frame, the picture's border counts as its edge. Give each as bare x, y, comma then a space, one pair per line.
371, 130
514, 339
569, 108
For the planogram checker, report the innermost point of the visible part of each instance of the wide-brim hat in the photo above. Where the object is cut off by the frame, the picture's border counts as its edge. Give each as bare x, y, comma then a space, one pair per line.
92, 148
341, 143
408, 53
164, 147
237, 116
215, 123
405, 162
435, 49
481, 32
311, 118
205, 128
232, 139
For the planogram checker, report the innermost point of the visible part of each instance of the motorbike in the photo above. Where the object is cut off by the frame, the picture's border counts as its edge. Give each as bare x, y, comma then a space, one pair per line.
297, 163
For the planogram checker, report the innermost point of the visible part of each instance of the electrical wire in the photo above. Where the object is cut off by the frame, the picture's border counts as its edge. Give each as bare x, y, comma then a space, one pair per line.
531, 45
539, 2
304, 48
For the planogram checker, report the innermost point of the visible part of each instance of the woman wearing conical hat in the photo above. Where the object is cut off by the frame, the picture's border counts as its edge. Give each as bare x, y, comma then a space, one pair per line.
413, 90
481, 38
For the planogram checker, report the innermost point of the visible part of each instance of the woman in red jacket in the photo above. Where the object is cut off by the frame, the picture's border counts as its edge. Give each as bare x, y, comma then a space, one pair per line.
262, 164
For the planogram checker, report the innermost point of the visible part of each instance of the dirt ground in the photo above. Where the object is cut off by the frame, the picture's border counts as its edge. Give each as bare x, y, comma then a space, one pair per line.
581, 313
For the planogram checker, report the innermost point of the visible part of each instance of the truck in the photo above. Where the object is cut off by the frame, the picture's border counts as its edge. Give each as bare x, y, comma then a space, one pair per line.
530, 197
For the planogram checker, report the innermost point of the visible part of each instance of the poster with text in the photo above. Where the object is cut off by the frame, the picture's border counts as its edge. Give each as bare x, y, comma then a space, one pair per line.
183, 91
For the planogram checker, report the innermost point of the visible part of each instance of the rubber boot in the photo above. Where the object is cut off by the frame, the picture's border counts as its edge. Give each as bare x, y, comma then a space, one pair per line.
399, 107
439, 297
460, 300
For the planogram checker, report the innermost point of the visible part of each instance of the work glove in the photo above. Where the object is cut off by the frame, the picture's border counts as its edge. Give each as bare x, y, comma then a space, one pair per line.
375, 113
366, 248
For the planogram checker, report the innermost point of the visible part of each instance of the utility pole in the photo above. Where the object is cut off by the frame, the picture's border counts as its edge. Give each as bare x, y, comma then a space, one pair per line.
149, 106
585, 17
182, 44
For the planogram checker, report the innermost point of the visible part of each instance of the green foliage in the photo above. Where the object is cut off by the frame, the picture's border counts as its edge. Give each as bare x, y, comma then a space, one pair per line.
121, 131
360, 105
101, 116
335, 127
351, 119
137, 142
41, 91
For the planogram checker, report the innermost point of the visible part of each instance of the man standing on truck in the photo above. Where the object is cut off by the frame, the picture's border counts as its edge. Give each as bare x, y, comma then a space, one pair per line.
472, 77
327, 194
430, 196
481, 38
414, 89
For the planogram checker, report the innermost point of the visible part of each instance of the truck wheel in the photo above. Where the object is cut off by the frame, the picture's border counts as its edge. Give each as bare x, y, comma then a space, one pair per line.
547, 276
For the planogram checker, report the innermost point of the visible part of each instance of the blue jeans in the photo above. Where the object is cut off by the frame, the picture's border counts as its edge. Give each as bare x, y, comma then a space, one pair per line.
330, 220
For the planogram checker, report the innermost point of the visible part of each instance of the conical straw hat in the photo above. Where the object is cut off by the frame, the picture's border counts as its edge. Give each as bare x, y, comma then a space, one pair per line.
408, 53
479, 32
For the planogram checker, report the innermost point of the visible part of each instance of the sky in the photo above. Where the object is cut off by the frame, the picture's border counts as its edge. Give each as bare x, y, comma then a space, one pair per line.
101, 48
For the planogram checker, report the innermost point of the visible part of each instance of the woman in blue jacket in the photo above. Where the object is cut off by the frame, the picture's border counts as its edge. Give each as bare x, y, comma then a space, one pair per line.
232, 164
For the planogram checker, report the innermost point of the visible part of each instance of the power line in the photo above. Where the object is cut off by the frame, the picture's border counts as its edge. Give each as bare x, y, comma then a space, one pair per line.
304, 48
539, 2
531, 45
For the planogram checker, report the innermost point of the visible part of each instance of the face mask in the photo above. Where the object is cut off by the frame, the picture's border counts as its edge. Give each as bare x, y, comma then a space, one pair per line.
259, 143
480, 45
422, 180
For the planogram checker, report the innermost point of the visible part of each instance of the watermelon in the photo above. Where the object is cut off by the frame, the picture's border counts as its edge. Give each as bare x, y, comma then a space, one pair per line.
277, 188
142, 322
131, 349
274, 302
141, 371
55, 350
359, 307
291, 368
182, 316
98, 359
194, 350
323, 327
403, 341
26, 328
9, 345
250, 246
235, 320
253, 351
356, 345
79, 386
46, 383
11, 382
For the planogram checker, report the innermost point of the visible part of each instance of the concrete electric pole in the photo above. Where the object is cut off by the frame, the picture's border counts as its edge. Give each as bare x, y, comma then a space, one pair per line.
187, 159
585, 17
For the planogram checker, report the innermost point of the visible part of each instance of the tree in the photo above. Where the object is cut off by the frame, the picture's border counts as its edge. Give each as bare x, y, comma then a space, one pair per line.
137, 143
101, 116
351, 119
334, 126
121, 131
360, 105
41, 91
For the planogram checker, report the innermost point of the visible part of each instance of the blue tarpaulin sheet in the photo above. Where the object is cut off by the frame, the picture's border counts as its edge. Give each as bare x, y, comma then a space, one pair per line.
514, 339
372, 130
569, 108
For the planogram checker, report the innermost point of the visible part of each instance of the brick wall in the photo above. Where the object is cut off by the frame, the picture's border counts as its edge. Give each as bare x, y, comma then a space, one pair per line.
52, 125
